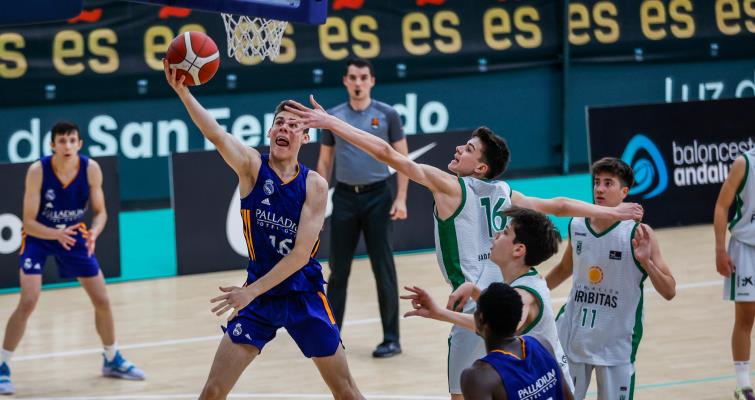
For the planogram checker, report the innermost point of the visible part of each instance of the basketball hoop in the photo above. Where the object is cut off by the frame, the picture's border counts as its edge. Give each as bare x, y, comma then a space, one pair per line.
253, 36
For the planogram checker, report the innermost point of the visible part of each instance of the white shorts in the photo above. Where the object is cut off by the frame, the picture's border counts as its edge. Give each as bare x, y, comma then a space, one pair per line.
614, 382
464, 348
740, 285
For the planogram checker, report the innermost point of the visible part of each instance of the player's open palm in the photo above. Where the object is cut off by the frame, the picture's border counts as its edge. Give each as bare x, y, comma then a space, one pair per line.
67, 236
724, 265
234, 297
642, 245
315, 117
423, 305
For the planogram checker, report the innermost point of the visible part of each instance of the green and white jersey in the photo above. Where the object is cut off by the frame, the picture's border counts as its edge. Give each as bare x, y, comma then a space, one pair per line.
742, 226
463, 240
601, 322
543, 328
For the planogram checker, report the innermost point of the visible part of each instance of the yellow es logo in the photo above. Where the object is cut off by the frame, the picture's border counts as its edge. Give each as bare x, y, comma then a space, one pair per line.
595, 275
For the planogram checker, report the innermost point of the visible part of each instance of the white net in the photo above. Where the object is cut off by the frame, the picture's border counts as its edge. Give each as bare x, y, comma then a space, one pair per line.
253, 36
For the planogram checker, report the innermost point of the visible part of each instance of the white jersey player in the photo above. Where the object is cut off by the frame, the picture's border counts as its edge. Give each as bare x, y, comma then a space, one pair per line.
459, 197
528, 239
738, 264
600, 326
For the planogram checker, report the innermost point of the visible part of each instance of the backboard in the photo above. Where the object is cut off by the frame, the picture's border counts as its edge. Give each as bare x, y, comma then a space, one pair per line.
304, 11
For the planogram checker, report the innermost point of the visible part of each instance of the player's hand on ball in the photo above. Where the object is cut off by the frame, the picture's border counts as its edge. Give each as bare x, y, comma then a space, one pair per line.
177, 83
234, 297
423, 304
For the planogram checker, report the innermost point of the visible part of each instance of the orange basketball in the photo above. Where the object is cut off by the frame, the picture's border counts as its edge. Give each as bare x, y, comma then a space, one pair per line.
194, 55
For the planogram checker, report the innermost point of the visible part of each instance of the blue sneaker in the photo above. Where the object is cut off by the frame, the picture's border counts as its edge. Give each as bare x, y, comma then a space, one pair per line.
6, 387
120, 368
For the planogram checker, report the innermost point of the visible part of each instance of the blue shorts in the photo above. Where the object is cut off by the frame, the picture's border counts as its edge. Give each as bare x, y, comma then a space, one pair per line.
74, 263
305, 315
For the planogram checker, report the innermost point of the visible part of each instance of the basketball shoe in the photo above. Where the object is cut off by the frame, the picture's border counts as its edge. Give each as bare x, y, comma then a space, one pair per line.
744, 393
6, 387
120, 368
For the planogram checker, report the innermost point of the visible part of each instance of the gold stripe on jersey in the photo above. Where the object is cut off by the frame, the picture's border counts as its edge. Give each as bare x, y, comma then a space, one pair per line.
245, 216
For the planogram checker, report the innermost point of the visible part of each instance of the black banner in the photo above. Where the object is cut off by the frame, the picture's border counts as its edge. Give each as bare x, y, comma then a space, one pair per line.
680, 153
206, 204
11, 217
118, 45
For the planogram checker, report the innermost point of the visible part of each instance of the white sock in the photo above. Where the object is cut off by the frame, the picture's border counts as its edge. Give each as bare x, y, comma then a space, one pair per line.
110, 351
6, 356
743, 373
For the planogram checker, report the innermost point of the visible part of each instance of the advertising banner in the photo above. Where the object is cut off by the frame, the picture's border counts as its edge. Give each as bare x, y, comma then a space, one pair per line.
11, 223
680, 152
118, 45
209, 235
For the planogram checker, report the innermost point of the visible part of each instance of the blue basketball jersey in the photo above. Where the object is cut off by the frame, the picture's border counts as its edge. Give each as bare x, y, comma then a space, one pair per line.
63, 203
270, 214
535, 376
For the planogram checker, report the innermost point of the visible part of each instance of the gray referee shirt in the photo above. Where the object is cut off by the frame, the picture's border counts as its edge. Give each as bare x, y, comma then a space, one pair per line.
353, 166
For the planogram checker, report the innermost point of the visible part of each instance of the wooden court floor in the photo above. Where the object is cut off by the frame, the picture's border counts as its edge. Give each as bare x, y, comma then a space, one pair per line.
166, 328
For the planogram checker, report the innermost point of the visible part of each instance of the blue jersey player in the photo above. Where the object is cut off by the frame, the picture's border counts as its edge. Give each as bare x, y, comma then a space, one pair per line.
516, 367
283, 210
59, 189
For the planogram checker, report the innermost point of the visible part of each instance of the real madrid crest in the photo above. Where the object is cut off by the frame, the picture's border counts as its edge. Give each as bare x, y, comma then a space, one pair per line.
269, 187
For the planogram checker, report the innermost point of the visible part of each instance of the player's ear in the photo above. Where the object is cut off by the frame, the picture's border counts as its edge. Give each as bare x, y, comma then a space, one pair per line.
305, 138
482, 169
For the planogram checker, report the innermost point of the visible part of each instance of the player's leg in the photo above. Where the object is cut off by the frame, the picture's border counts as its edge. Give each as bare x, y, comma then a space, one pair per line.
31, 286
114, 365
464, 347
581, 374
344, 236
615, 382
231, 359
744, 315
335, 372
377, 236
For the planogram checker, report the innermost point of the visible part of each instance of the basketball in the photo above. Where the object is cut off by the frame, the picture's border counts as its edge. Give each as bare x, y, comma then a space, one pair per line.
194, 55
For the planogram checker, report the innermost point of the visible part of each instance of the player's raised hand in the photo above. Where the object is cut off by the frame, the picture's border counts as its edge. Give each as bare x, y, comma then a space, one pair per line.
67, 236
234, 297
629, 211
460, 296
315, 117
176, 83
724, 265
642, 245
424, 305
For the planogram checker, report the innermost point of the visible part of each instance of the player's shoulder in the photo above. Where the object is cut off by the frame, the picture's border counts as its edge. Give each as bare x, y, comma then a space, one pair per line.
316, 183
35, 167
384, 107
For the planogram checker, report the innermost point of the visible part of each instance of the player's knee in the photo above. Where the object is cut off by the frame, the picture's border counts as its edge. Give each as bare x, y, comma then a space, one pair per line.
101, 302
27, 304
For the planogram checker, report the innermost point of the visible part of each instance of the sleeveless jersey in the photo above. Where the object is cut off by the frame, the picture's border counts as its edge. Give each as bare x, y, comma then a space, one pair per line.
534, 376
741, 226
601, 322
463, 240
63, 203
270, 215
543, 328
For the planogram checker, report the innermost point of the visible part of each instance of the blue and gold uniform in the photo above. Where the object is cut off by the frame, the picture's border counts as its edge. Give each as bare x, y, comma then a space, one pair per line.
536, 375
270, 215
62, 204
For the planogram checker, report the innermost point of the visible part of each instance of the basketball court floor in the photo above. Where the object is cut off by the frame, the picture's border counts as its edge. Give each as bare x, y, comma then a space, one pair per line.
166, 328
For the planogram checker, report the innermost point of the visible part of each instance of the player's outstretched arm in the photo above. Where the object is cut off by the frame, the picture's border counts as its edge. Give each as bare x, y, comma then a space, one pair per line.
97, 204
432, 178
310, 224
244, 160
563, 270
33, 186
724, 265
482, 382
424, 306
647, 252
566, 207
